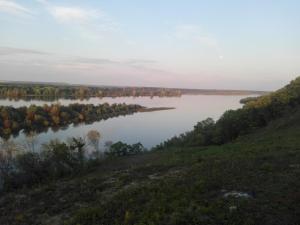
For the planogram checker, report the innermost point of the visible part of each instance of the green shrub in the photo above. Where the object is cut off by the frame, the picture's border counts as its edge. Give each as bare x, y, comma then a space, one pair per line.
123, 149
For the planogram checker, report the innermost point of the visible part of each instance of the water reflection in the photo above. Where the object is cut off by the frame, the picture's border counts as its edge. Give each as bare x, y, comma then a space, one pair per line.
92, 100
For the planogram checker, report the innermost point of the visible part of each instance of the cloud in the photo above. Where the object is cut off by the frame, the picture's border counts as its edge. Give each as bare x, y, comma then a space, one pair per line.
73, 14
132, 63
12, 51
136, 64
15, 56
139, 61
90, 22
94, 61
14, 8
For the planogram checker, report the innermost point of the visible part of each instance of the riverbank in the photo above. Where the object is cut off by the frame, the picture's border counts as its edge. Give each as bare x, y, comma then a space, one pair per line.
153, 109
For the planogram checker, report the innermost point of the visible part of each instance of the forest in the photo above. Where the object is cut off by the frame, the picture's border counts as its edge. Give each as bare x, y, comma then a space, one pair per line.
24, 90
39, 118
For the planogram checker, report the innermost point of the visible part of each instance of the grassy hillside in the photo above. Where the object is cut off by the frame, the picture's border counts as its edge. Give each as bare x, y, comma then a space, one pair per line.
253, 180
242, 169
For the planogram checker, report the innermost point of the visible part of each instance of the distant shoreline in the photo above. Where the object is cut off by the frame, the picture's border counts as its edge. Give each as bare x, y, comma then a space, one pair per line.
153, 109
147, 90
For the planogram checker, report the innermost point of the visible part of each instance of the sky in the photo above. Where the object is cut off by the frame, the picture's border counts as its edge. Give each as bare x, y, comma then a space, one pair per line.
223, 44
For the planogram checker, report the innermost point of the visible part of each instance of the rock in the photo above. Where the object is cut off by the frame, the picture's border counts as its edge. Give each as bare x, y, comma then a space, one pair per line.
236, 194
154, 176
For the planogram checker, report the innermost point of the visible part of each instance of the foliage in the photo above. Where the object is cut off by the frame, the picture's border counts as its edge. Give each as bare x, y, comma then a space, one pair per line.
13, 90
123, 149
39, 118
94, 138
56, 159
248, 99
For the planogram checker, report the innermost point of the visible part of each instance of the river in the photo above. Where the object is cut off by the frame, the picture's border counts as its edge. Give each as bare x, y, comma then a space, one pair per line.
149, 128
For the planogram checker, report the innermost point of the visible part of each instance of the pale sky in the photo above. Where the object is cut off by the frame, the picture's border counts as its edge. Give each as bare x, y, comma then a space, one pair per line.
225, 44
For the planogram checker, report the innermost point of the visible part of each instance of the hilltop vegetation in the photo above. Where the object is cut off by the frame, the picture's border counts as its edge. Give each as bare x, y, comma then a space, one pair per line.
248, 99
242, 169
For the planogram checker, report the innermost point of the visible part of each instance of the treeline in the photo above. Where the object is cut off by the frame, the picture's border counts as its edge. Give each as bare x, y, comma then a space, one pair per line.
21, 167
68, 91
39, 118
255, 113
49, 91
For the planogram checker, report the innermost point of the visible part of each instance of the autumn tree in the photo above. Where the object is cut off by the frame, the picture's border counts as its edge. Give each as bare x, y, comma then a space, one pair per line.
94, 138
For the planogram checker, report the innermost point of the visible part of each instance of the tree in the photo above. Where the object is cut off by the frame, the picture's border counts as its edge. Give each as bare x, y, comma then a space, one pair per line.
78, 145
94, 138
123, 149
8, 151
136, 148
31, 141
36, 118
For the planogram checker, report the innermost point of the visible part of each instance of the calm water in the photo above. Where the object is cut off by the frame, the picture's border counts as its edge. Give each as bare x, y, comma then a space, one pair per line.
149, 128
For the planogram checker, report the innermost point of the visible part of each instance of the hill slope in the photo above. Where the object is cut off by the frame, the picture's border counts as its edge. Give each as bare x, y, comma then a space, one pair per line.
253, 180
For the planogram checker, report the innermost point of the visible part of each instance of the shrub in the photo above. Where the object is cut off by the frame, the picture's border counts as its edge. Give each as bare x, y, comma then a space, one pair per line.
123, 149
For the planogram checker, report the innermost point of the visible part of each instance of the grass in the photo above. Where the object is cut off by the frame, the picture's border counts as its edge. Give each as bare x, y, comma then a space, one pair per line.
177, 186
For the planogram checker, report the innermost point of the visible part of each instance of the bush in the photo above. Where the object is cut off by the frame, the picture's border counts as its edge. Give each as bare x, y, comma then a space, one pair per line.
56, 159
30, 168
123, 149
